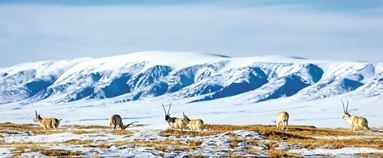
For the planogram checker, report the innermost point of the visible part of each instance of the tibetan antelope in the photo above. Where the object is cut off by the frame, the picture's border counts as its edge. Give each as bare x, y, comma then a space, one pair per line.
282, 118
355, 121
174, 123
47, 122
194, 124
116, 120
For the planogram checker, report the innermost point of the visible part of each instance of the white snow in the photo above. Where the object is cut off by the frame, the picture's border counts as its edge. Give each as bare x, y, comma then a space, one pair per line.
349, 152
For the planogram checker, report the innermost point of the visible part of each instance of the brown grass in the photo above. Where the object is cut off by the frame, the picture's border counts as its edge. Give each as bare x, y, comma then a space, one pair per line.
78, 142
298, 135
23, 148
10, 128
99, 145
19, 127
302, 136
371, 155
85, 126
303, 130
122, 132
60, 152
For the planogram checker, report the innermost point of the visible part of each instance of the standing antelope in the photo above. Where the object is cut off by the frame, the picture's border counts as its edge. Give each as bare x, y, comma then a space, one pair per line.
194, 124
174, 123
355, 121
282, 118
116, 120
47, 122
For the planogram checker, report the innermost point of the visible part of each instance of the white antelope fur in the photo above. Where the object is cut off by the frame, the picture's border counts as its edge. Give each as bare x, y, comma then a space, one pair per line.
355, 121
47, 123
194, 124
282, 120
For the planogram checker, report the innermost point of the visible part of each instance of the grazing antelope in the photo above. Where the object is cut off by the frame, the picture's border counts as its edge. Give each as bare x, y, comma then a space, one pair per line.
116, 120
194, 124
282, 118
47, 122
355, 121
174, 123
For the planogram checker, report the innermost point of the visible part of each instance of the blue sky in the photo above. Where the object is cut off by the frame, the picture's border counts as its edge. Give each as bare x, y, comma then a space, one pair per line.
326, 29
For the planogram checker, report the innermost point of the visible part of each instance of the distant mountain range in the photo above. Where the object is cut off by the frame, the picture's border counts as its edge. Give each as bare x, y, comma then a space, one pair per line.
187, 75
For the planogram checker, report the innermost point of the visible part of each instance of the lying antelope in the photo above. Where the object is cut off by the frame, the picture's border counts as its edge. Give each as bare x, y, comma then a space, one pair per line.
194, 124
282, 118
355, 121
47, 122
174, 123
115, 120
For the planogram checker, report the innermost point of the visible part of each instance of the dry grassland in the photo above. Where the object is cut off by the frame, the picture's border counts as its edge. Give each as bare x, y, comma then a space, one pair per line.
300, 136
303, 136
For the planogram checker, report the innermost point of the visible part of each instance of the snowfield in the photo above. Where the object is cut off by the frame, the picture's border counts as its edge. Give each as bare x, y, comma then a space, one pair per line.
245, 92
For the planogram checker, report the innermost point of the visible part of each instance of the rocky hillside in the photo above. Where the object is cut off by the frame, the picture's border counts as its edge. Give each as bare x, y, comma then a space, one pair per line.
187, 75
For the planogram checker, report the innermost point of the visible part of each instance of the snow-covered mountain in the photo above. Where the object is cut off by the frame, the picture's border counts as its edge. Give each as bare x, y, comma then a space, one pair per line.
195, 76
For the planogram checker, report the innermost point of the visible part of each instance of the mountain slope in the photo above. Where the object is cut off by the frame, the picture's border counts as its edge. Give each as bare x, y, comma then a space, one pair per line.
187, 75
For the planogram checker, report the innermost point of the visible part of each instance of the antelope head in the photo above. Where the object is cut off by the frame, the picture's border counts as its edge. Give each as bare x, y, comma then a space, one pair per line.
167, 114
186, 118
37, 117
346, 114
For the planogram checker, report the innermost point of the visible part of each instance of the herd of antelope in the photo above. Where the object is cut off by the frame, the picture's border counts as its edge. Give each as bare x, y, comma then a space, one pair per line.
281, 121
181, 123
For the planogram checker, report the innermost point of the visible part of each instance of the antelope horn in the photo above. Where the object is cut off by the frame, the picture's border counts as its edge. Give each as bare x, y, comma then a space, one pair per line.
343, 107
274, 121
169, 107
126, 126
164, 108
347, 106
35, 112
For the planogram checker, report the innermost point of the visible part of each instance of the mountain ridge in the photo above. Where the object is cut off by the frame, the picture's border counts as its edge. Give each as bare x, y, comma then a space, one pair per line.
149, 74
